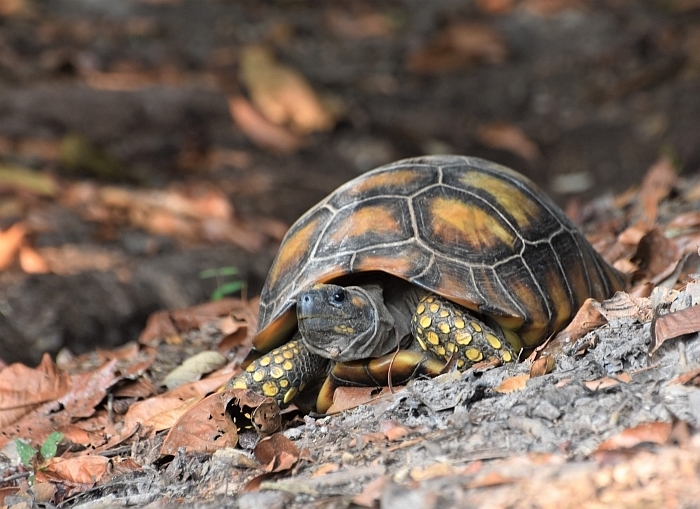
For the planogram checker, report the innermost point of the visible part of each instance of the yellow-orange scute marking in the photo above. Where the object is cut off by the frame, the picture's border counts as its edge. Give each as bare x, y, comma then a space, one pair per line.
393, 179
291, 251
377, 219
457, 222
517, 204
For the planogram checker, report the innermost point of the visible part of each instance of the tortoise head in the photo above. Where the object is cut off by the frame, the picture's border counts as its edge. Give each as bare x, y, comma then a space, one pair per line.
345, 323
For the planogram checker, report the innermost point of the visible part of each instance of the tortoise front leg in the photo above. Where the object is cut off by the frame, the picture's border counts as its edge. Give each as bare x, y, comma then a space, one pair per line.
402, 366
283, 373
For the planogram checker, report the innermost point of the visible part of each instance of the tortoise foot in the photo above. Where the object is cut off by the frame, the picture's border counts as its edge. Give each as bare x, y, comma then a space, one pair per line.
283, 373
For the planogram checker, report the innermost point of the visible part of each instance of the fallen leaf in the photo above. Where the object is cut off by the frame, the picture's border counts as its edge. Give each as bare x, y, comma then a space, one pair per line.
515, 383
157, 414
650, 432
84, 470
10, 242
656, 185
606, 382
459, 46
345, 398
370, 495
657, 255
691, 377
510, 137
432, 471
193, 368
276, 453
203, 428
261, 131
588, 318
673, 325
392, 430
281, 93
495, 6
324, 469
542, 366
28, 181
32, 262
43, 492
358, 26
490, 479
249, 410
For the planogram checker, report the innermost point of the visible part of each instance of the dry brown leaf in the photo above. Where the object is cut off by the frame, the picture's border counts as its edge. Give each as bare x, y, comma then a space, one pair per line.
85, 470
10, 242
203, 428
203, 387
490, 479
276, 453
392, 430
690, 378
345, 398
32, 262
324, 469
542, 366
193, 368
156, 414
459, 46
656, 186
510, 137
250, 410
43, 492
495, 6
281, 93
607, 382
515, 383
588, 318
657, 255
624, 305
432, 471
159, 326
370, 495
650, 432
672, 325
261, 131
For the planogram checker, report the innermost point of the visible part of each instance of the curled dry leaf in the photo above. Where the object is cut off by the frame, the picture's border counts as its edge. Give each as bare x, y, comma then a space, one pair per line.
193, 368
358, 26
276, 453
203, 428
607, 382
32, 262
689, 378
393, 430
459, 46
249, 410
515, 383
510, 137
432, 471
657, 255
542, 366
261, 131
650, 432
673, 325
369, 497
588, 318
656, 186
281, 93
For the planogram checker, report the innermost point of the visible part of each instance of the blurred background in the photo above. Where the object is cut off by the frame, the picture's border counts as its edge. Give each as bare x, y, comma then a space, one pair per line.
143, 142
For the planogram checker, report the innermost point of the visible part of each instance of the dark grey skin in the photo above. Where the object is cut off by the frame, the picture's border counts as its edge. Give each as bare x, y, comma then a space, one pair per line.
346, 323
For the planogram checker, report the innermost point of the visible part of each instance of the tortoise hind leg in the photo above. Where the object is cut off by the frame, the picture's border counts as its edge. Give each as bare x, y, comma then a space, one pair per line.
402, 366
282, 373
451, 331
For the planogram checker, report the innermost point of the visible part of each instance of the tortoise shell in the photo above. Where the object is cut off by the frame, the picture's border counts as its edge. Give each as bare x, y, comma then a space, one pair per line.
475, 232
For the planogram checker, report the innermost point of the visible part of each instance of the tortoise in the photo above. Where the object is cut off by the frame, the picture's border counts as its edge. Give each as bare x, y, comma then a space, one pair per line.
413, 268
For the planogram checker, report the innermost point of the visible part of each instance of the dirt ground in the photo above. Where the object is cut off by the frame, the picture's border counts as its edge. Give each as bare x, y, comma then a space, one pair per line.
142, 143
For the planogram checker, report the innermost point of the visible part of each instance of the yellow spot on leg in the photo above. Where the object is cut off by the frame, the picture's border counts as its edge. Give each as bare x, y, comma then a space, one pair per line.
276, 372
288, 365
460, 363
259, 375
475, 326
283, 382
421, 343
241, 384
432, 338
440, 350
444, 313
459, 323
450, 347
493, 341
420, 309
473, 354
270, 389
444, 328
463, 337
290, 394
506, 356
265, 361
279, 359
434, 308
425, 321
287, 354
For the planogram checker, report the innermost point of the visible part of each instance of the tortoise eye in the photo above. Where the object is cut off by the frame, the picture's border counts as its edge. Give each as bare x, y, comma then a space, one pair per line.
338, 296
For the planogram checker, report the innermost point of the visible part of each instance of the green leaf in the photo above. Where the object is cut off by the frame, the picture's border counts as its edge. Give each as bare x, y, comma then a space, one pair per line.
25, 451
220, 272
226, 289
48, 448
